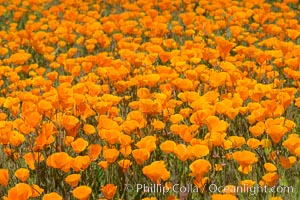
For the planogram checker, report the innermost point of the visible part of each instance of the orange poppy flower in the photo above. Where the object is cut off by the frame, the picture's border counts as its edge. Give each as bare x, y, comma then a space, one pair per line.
68, 140
247, 183
253, 143
44, 106
289, 124
164, 56
21, 191
149, 106
292, 143
245, 170
140, 155
200, 150
94, 151
82, 192
22, 174
148, 142
199, 168
293, 34
73, 179
137, 116
33, 119
80, 163
287, 163
275, 198
224, 47
111, 136
4, 177
168, 146
130, 125
176, 118
89, 129
125, 150
245, 158
111, 155
223, 196
216, 139
153, 198
30, 159
200, 116
69, 122
181, 152
124, 164
109, 191
201, 182
214, 124
52, 196
156, 171
79, 145
270, 179
218, 167
270, 167
257, 129
36, 190
275, 129
59, 160
236, 141
108, 124
158, 125
16, 138
257, 115
183, 84
144, 93
125, 140
103, 164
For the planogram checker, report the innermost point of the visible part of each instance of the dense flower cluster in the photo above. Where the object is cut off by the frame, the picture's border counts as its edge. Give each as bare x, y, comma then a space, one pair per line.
96, 95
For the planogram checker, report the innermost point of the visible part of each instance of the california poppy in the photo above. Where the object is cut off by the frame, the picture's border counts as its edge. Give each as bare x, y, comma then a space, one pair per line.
245, 158
79, 145
236, 141
73, 179
124, 164
59, 160
156, 171
89, 129
69, 122
103, 164
270, 167
80, 163
33, 119
140, 155
270, 179
52, 196
31, 158
148, 142
253, 143
200, 150
4, 177
36, 190
109, 191
168, 146
94, 151
22, 174
16, 138
180, 150
199, 168
287, 163
110, 155
82, 192
22, 190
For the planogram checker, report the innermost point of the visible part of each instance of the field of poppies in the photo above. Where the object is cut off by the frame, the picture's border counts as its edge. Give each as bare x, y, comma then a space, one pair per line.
149, 99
